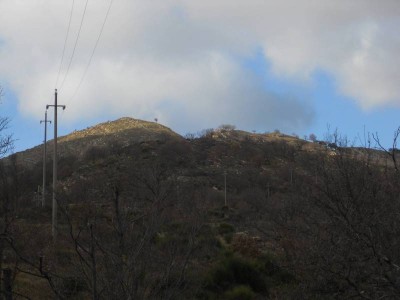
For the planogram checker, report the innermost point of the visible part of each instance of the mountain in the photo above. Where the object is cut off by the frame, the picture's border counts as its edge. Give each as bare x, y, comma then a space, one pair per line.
224, 214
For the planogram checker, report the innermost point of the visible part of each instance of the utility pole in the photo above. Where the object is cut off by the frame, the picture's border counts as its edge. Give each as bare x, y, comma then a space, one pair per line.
54, 210
291, 176
225, 185
44, 158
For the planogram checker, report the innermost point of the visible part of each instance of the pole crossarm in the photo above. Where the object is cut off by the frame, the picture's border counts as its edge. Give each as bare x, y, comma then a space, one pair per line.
50, 105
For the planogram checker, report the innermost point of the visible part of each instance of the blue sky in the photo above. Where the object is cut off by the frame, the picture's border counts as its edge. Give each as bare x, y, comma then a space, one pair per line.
297, 66
330, 110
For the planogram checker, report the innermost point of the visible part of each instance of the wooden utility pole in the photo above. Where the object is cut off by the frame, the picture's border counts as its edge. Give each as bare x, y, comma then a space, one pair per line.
54, 210
225, 185
44, 158
291, 176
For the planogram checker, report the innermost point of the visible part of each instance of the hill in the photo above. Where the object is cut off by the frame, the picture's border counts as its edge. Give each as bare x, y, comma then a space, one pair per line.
227, 214
123, 132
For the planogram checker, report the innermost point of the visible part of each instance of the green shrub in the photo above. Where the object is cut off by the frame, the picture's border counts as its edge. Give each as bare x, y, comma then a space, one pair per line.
276, 275
240, 292
232, 271
228, 237
225, 228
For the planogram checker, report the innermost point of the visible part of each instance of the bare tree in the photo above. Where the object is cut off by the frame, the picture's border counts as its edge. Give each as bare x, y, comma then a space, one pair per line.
6, 188
6, 141
391, 152
338, 225
348, 235
125, 236
312, 137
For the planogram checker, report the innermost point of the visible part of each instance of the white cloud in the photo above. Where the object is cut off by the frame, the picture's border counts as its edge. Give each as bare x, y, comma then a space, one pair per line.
178, 59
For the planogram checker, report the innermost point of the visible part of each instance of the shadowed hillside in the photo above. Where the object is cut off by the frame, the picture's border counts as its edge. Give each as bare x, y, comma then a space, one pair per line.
224, 214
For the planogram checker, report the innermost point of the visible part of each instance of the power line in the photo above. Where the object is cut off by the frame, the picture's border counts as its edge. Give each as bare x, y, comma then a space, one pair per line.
94, 49
65, 42
76, 42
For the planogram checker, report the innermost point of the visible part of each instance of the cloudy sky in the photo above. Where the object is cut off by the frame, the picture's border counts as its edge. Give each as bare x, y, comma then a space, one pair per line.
293, 65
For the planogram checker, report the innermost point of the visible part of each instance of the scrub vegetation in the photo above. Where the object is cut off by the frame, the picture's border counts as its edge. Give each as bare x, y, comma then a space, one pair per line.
143, 215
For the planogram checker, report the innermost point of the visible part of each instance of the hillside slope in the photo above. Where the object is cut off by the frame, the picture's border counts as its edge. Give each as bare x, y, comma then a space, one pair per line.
228, 214
121, 132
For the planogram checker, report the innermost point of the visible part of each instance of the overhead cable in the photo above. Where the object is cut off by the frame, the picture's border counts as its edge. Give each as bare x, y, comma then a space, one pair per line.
76, 42
94, 49
65, 42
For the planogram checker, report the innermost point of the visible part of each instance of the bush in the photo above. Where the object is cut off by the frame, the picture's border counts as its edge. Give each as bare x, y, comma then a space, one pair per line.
206, 133
233, 271
190, 136
276, 275
245, 245
225, 228
312, 137
95, 153
240, 292
227, 127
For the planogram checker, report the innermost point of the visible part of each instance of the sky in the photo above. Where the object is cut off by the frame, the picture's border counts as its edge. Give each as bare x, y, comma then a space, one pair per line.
300, 66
